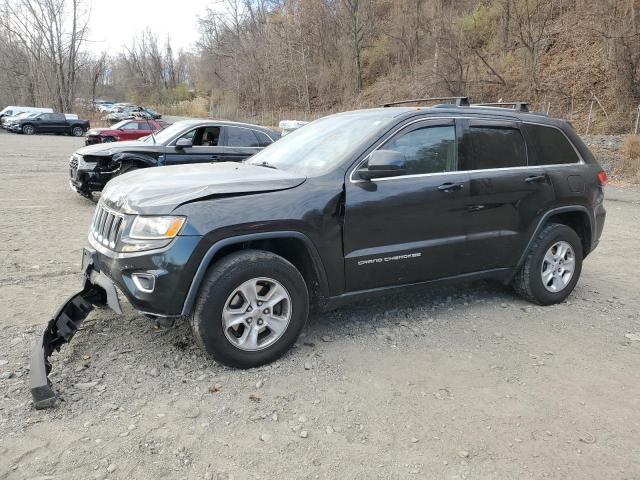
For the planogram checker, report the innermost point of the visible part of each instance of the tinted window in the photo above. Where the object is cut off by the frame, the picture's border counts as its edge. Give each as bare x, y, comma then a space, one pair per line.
428, 149
550, 146
57, 117
495, 147
241, 137
46, 117
263, 140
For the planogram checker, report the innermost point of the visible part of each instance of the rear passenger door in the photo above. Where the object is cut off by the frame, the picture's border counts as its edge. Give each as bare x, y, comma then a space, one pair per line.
506, 194
240, 143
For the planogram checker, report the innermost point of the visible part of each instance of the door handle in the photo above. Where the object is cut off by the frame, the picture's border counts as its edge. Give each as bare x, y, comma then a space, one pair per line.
448, 187
535, 178
214, 157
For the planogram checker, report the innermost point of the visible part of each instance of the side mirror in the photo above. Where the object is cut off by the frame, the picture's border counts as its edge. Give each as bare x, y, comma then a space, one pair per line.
184, 143
384, 163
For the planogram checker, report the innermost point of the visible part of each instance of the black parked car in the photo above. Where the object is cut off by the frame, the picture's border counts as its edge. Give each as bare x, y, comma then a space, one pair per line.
352, 205
50, 123
189, 141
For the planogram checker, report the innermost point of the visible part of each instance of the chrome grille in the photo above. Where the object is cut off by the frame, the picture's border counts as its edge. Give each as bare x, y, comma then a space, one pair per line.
106, 226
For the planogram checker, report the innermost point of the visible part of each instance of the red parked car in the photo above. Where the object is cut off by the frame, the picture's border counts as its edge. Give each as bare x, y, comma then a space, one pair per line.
125, 130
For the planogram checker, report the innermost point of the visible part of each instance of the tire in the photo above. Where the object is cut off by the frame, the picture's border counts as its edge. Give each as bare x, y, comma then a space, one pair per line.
28, 130
539, 266
108, 140
77, 131
220, 289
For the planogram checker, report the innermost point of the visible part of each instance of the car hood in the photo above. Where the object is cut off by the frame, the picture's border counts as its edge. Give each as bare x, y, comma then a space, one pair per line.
111, 148
160, 190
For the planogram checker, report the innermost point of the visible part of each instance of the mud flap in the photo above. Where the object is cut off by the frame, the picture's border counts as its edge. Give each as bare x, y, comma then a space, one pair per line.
97, 290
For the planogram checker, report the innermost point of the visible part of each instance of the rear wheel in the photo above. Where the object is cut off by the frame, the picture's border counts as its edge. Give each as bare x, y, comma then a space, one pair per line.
251, 308
28, 130
552, 267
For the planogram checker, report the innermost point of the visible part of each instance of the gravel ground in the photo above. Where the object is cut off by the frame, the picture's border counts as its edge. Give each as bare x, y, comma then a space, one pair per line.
466, 382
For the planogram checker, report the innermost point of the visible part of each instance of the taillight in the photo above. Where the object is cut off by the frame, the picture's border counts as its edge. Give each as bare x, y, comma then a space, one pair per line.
602, 178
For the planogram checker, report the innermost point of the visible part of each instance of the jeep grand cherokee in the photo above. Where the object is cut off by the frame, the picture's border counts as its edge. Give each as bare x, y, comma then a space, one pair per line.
351, 204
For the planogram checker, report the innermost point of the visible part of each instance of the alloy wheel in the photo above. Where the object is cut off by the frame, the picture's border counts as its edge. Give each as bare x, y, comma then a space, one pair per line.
256, 314
558, 266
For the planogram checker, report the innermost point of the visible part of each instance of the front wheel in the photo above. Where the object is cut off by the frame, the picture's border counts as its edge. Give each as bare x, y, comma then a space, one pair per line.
251, 308
77, 131
28, 130
552, 267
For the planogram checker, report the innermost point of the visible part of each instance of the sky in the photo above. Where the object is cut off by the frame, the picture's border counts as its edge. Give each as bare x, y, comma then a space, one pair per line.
115, 23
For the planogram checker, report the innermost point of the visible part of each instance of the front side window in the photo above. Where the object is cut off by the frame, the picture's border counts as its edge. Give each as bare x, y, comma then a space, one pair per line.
241, 137
494, 147
551, 146
427, 149
130, 126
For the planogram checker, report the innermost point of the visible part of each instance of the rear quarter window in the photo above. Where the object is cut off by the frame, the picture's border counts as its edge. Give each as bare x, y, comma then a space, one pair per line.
550, 146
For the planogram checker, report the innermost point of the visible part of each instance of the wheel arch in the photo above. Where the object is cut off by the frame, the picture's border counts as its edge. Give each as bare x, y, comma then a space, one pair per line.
293, 246
137, 159
576, 217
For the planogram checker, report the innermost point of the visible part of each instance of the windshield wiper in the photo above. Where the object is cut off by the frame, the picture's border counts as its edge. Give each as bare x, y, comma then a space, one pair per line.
265, 164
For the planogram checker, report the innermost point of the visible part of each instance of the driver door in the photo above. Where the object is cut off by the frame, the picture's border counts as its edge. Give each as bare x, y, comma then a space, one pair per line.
205, 147
406, 229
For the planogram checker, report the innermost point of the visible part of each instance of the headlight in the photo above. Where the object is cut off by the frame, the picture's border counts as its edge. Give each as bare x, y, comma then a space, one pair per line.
156, 228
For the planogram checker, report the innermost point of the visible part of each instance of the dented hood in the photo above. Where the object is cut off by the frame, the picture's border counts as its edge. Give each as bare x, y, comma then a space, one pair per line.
160, 190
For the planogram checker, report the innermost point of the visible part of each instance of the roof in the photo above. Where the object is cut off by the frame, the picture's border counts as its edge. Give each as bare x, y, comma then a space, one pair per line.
473, 110
222, 123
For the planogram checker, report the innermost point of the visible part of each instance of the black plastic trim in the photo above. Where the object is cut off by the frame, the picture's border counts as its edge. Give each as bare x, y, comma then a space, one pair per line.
216, 247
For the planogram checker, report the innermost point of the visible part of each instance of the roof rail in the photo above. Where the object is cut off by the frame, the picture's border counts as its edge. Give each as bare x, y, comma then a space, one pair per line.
457, 101
518, 106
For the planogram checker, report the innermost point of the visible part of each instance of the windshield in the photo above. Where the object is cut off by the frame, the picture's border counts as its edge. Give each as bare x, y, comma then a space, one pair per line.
119, 125
167, 134
317, 148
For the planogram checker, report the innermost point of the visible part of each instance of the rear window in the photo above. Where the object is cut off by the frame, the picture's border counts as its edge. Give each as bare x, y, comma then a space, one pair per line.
495, 147
263, 140
241, 137
550, 146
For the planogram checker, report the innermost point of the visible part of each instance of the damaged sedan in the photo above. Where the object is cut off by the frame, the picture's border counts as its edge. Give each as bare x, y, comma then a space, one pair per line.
189, 141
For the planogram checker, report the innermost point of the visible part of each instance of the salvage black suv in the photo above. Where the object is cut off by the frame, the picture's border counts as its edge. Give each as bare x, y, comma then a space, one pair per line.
350, 205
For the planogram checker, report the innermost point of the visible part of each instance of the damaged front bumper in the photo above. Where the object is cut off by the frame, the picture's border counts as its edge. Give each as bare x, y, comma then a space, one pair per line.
98, 290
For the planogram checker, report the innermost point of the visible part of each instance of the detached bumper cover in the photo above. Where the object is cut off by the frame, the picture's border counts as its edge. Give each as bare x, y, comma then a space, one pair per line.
98, 290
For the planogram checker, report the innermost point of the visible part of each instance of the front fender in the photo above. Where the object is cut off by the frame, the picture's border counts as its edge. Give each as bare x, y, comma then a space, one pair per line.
140, 158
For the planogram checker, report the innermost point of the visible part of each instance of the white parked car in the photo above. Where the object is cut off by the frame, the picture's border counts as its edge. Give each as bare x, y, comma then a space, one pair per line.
288, 126
12, 110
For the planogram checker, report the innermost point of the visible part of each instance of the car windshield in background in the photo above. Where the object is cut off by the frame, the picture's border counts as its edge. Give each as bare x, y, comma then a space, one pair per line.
166, 134
119, 125
317, 148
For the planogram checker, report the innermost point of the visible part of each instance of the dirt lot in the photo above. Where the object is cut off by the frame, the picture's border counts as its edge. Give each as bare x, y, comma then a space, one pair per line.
469, 382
